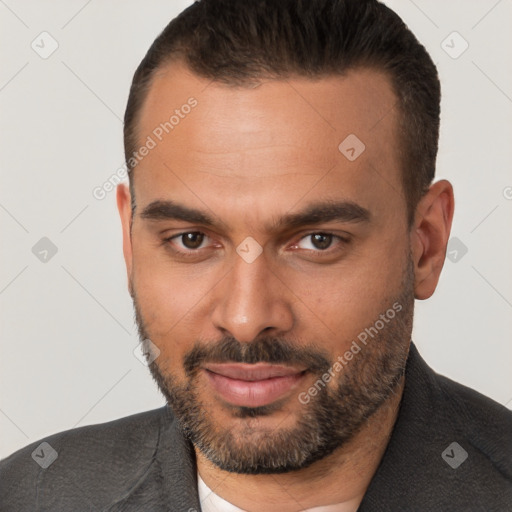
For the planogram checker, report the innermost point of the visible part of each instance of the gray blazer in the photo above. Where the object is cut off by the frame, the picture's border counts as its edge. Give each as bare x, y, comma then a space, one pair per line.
451, 450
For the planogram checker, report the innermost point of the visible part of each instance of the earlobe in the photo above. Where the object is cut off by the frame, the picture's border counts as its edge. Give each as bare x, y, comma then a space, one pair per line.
125, 213
430, 235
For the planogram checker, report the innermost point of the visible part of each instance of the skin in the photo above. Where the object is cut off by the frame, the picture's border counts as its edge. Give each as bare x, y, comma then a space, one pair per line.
247, 156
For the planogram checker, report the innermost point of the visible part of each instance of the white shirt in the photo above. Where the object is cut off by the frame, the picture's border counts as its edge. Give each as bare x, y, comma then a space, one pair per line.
211, 502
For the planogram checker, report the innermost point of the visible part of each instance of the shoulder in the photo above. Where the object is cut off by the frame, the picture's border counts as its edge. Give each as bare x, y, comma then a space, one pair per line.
486, 424
107, 456
448, 410
439, 403
450, 449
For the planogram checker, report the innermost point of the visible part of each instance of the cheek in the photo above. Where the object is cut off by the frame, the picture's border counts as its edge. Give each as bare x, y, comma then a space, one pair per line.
341, 302
168, 298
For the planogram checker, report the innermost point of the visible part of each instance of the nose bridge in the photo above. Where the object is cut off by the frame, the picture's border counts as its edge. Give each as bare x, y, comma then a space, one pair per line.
252, 300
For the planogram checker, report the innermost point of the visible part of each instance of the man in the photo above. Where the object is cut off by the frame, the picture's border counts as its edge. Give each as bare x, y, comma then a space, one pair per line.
280, 221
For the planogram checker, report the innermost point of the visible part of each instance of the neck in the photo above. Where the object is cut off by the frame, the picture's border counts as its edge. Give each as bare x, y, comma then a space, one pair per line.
340, 478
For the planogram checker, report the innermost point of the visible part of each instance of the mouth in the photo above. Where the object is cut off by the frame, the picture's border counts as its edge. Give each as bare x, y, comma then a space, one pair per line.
252, 385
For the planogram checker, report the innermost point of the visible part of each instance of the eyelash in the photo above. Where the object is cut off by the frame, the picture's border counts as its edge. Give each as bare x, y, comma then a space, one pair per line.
190, 253
194, 252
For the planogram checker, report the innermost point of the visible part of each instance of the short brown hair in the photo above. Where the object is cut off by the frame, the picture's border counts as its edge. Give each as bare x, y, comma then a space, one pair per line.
238, 42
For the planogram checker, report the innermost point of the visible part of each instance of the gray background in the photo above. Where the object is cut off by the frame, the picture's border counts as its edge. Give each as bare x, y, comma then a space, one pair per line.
67, 332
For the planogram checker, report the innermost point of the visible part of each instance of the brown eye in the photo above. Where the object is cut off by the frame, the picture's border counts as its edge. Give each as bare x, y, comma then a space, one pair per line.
322, 246
192, 240
321, 241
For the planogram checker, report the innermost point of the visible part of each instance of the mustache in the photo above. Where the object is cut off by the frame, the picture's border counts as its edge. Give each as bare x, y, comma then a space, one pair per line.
262, 350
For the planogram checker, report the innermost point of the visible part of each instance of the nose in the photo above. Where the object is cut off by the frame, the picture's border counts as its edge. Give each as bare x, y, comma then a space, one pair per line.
251, 300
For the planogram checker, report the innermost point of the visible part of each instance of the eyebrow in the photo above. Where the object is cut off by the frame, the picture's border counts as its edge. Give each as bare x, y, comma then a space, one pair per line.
170, 210
325, 211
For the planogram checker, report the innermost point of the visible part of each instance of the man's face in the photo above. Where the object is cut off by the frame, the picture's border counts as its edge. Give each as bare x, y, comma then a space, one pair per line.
276, 256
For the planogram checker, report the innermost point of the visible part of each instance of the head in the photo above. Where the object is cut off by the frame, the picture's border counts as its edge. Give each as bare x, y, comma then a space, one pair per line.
281, 214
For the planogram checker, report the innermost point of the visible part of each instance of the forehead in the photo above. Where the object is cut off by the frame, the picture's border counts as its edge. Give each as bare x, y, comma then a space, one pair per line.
273, 143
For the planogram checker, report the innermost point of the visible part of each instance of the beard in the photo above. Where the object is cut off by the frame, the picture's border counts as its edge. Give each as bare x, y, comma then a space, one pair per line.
328, 421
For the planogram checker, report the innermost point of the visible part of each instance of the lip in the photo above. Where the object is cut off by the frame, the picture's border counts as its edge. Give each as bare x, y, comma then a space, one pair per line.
252, 385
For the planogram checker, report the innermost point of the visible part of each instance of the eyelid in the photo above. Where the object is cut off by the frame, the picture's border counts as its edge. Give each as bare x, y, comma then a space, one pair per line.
342, 240
184, 251
345, 237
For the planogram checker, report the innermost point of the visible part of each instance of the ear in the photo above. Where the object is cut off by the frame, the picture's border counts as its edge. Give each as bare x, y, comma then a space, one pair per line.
125, 212
429, 237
